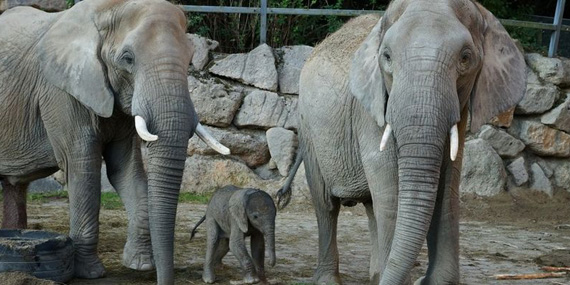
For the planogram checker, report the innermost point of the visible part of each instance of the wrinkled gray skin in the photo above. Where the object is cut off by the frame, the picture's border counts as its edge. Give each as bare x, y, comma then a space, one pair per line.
70, 85
421, 69
233, 214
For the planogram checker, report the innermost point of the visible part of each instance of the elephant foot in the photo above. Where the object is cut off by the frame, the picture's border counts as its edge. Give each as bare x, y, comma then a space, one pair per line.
89, 267
250, 279
136, 258
208, 277
420, 280
430, 280
327, 278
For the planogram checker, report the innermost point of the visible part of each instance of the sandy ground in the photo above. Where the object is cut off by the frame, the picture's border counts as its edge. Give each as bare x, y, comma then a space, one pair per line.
502, 235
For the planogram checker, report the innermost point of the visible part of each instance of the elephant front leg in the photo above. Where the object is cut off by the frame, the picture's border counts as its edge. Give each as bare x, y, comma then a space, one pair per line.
238, 248
327, 271
84, 182
126, 173
14, 214
258, 255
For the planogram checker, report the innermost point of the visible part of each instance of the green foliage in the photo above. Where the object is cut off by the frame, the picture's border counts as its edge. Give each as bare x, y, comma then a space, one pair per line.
45, 197
69, 3
111, 201
186, 197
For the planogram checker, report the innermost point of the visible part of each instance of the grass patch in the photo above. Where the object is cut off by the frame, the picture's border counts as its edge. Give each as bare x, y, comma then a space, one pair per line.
111, 201
44, 197
187, 197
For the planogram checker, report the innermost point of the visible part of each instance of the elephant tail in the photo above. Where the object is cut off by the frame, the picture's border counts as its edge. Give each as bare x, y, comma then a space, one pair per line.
283, 196
195, 229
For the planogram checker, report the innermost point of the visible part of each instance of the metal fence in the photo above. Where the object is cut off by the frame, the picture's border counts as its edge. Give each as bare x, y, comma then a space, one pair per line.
556, 27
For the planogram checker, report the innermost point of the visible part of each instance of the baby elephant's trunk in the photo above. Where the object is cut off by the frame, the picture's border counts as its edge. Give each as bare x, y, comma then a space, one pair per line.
270, 241
195, 229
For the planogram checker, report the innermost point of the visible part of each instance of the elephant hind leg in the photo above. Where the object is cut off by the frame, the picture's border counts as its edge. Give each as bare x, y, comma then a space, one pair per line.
326, 210
221, 251
14, 214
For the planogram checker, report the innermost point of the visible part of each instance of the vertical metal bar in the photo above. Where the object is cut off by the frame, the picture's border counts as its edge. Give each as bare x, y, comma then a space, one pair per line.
263, 24
555, 37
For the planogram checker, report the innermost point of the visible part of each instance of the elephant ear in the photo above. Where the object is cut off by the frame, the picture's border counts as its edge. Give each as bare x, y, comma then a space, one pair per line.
365, 79
501, 83
70, 59
237, 209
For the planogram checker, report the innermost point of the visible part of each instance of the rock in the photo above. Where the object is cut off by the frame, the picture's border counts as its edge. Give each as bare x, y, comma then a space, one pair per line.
291, 61
539, 181
202, 48
561, 169
483, 171
538, 99
105, 184
504, 119
282, 146
549, 69
45, 185
518, 171
531, 77
545, 167
542, 140
214, 104
263, 109
558, 117
60, 178
272, 164
249, 145
46, 5
503, 143
256, 68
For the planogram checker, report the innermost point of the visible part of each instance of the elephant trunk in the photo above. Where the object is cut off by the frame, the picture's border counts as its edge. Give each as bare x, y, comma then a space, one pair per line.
172, 118
270, 241
421, 130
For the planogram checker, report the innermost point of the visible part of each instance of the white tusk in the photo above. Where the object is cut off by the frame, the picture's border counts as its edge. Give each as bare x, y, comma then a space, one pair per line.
385, 136
211, 141
143, 132
453, 142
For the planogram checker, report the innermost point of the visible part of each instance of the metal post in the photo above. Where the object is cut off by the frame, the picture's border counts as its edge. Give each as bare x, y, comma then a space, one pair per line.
555, 37
263, 24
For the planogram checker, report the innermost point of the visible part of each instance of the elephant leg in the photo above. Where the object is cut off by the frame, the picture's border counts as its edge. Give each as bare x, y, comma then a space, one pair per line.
126, 173
14, 214
373, 228
212, 247
84, 183
258, 254
326, 210
239, 250
222, 249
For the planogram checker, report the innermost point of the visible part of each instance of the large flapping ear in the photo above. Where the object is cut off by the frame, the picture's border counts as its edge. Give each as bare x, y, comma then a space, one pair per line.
365, 79
70, 58
237, 208
501, 83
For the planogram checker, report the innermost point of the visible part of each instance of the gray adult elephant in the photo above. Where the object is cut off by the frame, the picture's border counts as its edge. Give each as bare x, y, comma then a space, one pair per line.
75, 88
383, 109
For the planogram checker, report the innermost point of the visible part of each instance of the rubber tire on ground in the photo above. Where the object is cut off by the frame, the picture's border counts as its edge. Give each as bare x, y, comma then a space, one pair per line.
45, 255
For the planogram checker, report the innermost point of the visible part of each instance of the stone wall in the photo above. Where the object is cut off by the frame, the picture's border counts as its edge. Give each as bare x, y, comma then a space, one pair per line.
46, 5
528, 147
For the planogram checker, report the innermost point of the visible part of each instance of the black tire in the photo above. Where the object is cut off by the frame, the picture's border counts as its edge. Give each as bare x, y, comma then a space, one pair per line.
45, 255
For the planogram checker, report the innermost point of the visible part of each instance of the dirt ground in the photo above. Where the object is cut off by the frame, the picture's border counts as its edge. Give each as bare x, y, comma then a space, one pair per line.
511, 233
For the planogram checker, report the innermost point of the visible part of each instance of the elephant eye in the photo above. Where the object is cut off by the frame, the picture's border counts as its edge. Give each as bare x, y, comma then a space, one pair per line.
387, 57
465, 60
127, 58
255, 216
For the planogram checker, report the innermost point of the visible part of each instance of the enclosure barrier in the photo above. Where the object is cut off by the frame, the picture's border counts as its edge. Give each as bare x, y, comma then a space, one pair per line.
556, 27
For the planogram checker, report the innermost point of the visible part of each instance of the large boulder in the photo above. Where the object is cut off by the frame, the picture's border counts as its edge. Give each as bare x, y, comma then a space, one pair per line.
249, 145
518, 171
561, 172
549, 69
202, 48
257, 68
538, 99
558, 117
505, 144
540, 139
483, 172
282, 146
264, 109
46, 5
291, 61
214, 103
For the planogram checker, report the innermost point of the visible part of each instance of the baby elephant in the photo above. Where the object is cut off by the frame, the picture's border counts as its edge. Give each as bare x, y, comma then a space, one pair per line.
234, 213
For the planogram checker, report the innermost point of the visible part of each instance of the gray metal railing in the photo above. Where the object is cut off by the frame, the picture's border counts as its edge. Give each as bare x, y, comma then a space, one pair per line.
556, 27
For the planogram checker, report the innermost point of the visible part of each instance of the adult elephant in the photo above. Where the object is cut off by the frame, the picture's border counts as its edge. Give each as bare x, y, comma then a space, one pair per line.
75, 88
413, 76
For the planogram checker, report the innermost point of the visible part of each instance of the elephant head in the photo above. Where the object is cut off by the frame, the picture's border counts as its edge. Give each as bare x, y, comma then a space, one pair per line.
421, 70
255, 208
130, 58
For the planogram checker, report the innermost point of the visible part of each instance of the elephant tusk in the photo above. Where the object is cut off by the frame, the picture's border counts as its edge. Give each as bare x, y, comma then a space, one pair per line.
385, 136
453, 142
140, 125
211, 141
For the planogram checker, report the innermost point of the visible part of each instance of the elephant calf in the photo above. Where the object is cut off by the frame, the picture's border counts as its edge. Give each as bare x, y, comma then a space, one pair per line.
234, 213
